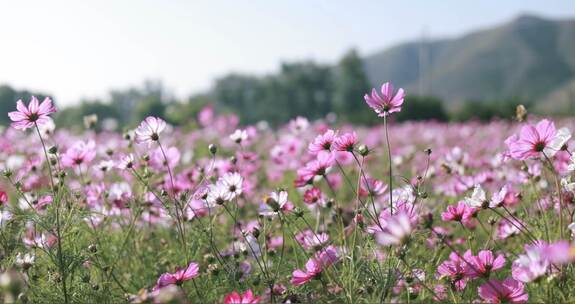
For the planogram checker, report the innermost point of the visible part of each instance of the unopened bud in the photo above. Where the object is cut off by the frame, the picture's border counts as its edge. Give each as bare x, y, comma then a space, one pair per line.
256, 232
363, 150
53, 150
7, 173
213, 149
93, 248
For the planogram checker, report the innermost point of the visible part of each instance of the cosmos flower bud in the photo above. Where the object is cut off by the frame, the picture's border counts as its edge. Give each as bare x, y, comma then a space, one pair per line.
93, 248
7, 173
213, 269
363, 150
256, 232
213, 149
53, 150
330, 203
209, 258
491, 221
428, 220
90, 121
427, 151
298, 212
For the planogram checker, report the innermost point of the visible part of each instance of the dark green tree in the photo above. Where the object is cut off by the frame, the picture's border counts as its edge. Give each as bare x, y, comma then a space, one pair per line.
350, 85
422, 108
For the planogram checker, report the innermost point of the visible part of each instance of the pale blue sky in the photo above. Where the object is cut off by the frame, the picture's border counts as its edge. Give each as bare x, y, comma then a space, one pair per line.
76, 49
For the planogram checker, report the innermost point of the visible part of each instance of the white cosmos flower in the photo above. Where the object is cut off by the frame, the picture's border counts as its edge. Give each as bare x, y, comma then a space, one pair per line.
571, 166
217, 194
563, 135
239, 135
25, 260
149, 130
477, 198
5, 216
232, 183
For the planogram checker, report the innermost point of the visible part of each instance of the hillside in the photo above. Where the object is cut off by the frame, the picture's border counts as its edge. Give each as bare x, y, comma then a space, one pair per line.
529, 57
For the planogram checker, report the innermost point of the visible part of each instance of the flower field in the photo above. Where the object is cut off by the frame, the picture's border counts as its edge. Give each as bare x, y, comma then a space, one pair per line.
311, 211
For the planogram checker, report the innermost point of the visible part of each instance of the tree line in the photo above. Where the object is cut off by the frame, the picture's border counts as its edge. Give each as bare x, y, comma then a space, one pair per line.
304, 88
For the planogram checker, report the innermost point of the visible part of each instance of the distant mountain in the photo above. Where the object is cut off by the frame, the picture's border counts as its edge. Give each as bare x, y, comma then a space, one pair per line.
529, 57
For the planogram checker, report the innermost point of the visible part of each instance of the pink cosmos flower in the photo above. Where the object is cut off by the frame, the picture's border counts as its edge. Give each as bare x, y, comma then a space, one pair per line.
309, 239
80, 153
484, 264
460, 213
560, 252
318, 167
508, 291
455, 269
322, 142
158, 161
149, 130
371, 186
531, 265
126, 162
508, 227
180, 276
532, 141
396, 231
312, 269
387, 103
345, 142
327, 256
26, 117
247, 297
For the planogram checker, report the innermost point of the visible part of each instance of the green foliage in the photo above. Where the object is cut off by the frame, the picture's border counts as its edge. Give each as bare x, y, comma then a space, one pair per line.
350, 83
71, 117
488, 110
422, 108
303, 88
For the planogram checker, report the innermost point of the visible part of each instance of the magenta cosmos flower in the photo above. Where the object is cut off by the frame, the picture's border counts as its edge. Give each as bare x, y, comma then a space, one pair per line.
180, 276
387, 102
460, 213
247, 297
455, 269
508, 291
345, 142
35, 113
533, 140
149, 130
484, 264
